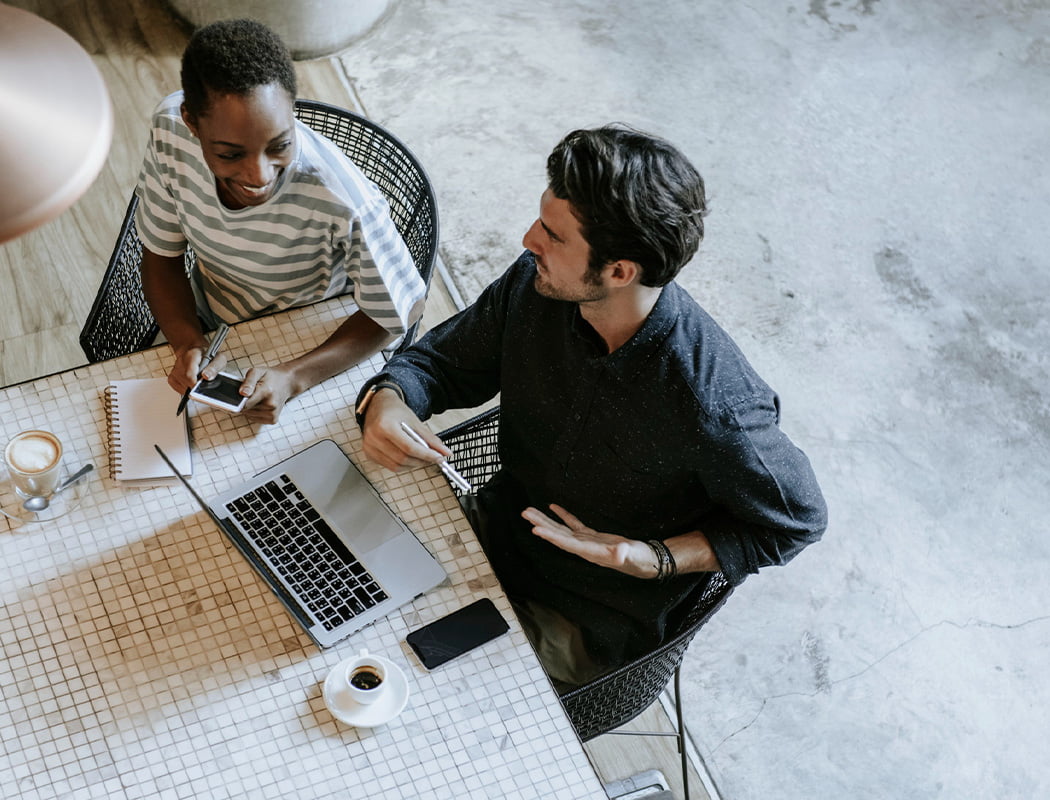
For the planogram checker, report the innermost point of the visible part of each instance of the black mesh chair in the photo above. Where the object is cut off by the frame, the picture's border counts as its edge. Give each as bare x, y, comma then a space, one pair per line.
121, 322
609, 701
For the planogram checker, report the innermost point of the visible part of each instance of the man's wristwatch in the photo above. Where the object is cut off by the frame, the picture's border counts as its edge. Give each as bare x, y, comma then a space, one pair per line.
366, 399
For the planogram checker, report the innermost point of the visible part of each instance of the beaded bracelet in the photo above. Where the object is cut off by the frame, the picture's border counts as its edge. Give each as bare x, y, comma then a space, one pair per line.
672, 565
666, 567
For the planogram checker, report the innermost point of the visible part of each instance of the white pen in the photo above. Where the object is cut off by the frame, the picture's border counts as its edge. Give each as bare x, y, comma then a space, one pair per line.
450, 472
206, 359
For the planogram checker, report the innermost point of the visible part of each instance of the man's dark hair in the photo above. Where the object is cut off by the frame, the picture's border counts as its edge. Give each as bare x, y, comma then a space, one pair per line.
636, 196
233, 56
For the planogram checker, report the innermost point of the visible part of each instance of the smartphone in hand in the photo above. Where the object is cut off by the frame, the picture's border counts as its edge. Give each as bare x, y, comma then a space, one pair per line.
222, 391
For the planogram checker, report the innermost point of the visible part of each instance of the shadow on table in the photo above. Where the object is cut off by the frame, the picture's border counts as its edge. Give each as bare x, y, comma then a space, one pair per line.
157, 629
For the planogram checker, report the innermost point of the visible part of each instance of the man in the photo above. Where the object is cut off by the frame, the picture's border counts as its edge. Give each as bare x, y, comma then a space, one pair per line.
277, 215
640, 451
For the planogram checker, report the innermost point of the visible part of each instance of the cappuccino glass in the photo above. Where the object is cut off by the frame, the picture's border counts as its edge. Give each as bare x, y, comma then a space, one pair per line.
34, 460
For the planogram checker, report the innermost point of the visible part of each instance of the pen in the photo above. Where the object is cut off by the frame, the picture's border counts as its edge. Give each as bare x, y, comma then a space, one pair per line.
209, 354
458, 480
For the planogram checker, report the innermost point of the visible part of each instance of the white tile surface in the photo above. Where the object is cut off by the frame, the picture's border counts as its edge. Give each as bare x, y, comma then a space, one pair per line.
143, 657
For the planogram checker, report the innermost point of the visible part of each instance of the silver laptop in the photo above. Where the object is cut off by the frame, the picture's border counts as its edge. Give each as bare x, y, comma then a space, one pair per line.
324, 540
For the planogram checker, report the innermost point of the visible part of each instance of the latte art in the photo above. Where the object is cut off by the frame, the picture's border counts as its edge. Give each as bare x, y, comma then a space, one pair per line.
33, 452
34, 462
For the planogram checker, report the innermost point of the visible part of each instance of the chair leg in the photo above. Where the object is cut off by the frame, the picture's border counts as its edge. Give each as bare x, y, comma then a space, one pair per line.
681, 733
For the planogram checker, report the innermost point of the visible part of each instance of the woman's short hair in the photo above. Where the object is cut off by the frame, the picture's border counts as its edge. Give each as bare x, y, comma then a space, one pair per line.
636, 196
233, 57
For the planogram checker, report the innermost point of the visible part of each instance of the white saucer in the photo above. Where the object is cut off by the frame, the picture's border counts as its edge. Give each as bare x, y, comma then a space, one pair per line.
11, 502
346, 709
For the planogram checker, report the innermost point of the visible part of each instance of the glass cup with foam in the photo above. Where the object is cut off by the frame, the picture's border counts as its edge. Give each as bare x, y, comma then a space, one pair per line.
34, 461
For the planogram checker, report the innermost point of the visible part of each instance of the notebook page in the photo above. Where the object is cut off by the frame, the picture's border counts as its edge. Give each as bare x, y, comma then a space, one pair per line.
141, 413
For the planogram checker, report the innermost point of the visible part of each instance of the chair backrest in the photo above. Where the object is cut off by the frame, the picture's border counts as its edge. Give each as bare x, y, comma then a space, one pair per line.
391, 166
475, 447
619, 696
121, 322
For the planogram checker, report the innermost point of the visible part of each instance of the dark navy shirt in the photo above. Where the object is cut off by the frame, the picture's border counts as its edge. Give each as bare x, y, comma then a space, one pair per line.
672, 432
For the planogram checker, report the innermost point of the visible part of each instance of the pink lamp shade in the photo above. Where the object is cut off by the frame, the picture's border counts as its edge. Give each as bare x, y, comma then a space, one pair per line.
56, 121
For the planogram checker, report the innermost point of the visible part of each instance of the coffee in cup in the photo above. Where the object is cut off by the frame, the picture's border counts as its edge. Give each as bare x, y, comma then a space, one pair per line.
366, 678
34, 459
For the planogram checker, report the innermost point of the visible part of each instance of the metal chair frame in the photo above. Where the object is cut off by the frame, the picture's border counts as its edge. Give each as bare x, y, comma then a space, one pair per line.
120, 320
613, 699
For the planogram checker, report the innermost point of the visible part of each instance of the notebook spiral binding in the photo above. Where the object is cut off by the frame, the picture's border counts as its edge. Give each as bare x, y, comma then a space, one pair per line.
112, 430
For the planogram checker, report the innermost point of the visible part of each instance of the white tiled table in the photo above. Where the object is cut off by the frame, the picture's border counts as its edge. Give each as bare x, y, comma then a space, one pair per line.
143, 658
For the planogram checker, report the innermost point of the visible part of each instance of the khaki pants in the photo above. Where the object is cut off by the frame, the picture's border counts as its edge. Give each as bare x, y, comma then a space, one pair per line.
558, 642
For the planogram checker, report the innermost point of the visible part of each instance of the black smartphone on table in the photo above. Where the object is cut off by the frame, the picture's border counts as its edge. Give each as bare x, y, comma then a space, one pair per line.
457, 633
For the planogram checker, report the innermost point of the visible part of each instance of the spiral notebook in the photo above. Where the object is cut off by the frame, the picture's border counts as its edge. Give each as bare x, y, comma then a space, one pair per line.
140, 413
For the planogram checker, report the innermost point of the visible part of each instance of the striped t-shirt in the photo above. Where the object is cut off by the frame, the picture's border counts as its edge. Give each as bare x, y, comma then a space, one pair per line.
327, 228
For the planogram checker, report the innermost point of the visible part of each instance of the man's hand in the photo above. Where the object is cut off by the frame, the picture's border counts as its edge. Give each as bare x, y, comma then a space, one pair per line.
604, 549
183, 375
385, 442
691, 551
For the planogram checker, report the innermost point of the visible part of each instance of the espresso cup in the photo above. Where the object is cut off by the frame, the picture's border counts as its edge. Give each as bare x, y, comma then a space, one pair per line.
366, 678
34, 460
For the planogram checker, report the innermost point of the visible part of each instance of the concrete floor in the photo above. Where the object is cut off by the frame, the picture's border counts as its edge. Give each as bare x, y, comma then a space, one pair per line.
877, 245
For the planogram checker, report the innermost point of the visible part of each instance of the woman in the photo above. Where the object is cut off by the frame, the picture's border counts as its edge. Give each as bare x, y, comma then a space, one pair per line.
276, 213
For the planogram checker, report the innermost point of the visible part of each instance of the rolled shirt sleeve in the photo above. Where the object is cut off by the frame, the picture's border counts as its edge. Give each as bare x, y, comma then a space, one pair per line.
768, 505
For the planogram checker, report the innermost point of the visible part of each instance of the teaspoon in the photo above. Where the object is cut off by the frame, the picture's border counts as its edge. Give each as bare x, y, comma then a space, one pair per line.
40, 503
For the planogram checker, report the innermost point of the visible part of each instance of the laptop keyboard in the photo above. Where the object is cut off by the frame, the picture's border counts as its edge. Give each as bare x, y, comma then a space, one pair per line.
306, 552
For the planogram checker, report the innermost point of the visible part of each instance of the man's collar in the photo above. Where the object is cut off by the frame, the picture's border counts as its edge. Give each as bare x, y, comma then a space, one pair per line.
646, 339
